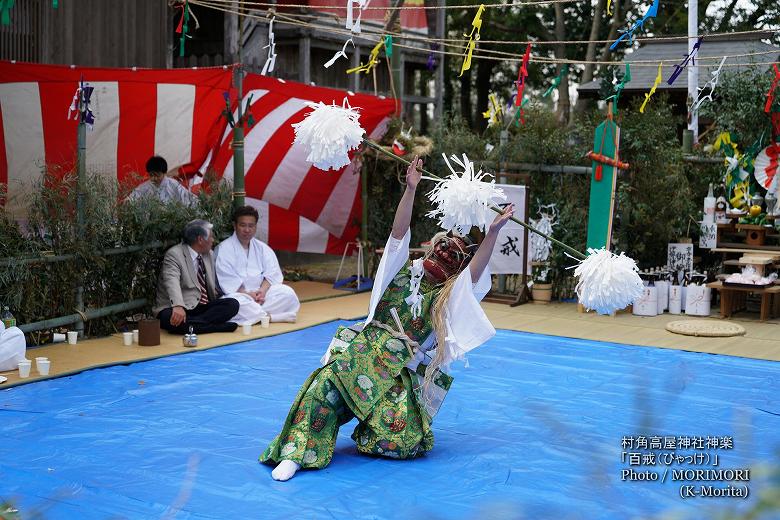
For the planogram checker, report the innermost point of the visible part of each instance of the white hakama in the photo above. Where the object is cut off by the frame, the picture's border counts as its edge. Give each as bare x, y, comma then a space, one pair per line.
12, 347
238, 268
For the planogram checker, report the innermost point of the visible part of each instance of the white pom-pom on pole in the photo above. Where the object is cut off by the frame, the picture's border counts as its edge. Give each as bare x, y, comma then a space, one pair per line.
607, 282
329, 133
463, 199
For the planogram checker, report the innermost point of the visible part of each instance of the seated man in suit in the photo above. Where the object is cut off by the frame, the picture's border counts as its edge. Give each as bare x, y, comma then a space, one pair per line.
187, 291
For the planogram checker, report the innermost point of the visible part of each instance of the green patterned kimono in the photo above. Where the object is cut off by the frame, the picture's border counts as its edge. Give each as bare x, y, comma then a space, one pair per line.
368, 380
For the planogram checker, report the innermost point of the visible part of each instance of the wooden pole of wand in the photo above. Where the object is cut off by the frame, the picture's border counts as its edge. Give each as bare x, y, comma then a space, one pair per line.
573, 252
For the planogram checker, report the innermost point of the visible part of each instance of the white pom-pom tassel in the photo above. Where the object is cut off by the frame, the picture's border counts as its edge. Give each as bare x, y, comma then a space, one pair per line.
607, 282
329, 133
463, 199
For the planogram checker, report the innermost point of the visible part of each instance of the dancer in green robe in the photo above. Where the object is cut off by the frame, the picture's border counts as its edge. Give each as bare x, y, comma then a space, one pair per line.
389, 375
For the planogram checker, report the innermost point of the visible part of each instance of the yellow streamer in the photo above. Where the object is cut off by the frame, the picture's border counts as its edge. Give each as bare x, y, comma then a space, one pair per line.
494, 112
473, 37
373, 59
609, 7
657, 82
724, 139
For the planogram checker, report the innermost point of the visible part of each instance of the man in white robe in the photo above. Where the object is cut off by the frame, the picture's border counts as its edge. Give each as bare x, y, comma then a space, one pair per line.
161, 187
12, 347
247, 270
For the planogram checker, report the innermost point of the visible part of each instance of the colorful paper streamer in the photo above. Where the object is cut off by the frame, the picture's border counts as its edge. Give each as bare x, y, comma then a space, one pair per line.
473, 37
657, 82
651, 13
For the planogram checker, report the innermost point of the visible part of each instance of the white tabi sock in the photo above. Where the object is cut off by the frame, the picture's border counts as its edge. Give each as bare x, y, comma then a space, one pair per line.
285, 470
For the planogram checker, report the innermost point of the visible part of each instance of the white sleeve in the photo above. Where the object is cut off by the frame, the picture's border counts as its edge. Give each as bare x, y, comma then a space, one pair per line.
395, 255
467, 323
227, 276
185, 196
271, 269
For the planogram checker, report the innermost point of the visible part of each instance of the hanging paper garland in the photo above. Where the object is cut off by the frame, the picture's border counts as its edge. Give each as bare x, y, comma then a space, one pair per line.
556, 81
657, 82
268, 66
494, 114
651, 13
183, 27
689, 58
5, 11
353, 24
432, 62
619, 88
473, 37
712, 83
80, 105
373, 60
339, 54
388, 46
522, 76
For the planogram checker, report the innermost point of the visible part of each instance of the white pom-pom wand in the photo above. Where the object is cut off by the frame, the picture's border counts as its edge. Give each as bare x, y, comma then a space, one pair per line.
607, 282
329, 132
464, 199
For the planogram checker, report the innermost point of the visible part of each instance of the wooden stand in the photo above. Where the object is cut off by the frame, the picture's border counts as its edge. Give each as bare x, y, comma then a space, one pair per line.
732, 299
755, 235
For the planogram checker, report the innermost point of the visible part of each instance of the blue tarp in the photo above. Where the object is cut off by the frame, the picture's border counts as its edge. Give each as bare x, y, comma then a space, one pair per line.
533, 429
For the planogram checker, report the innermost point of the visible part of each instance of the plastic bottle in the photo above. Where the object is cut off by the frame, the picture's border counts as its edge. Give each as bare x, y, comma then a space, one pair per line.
8, 318
709, 207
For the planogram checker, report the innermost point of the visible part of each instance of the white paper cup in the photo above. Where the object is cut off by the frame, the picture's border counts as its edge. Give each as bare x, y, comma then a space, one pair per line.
265, 321
58, 338
43, 366
73, 337
246, 328
135, 335
24, 369
38, 362
127, 338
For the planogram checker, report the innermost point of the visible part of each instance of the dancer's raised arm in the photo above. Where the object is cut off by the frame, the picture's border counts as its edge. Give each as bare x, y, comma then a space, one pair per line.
403, 215
482, 256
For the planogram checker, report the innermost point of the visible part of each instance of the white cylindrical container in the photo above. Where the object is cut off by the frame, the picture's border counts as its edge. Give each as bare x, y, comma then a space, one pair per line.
662, 289
709, 207
698, 299
647, 304
675, 299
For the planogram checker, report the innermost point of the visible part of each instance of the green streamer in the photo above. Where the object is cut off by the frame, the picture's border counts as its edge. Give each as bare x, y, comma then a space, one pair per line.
5, 11
185, 28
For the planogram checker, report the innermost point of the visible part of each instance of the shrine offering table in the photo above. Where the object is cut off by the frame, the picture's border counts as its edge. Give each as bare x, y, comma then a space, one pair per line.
732, 299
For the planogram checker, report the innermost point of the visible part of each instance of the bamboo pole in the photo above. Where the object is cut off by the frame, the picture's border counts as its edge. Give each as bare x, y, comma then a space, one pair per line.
557, 242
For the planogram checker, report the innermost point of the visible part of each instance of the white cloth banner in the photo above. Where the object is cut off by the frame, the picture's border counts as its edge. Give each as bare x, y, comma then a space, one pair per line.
507, 257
